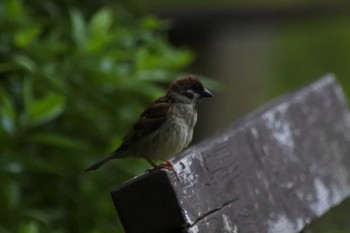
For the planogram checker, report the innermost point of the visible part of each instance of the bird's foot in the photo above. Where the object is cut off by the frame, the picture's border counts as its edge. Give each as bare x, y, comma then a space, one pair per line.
170, 167
165, 165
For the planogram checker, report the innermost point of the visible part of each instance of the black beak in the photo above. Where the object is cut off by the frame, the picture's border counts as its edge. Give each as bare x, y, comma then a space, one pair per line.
206, 93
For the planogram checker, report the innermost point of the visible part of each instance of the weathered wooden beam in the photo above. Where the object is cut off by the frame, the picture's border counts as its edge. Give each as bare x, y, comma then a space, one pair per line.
274, 171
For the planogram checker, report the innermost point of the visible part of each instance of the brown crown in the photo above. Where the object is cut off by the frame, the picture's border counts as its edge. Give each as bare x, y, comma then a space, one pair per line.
187, 82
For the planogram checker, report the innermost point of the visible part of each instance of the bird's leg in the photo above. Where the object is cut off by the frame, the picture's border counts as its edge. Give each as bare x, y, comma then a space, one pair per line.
169, 166
153, 164
166, 165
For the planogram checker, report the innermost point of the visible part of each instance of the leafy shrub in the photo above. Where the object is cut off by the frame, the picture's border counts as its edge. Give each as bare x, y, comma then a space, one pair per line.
71, 84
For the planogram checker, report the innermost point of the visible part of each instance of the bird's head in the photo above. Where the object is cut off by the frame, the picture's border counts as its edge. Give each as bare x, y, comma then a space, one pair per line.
188, 89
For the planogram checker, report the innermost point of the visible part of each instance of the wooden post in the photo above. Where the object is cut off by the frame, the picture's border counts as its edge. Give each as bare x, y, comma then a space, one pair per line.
274, 171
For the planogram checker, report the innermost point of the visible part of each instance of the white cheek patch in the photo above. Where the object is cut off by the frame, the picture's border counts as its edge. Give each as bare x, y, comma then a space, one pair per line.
191, 94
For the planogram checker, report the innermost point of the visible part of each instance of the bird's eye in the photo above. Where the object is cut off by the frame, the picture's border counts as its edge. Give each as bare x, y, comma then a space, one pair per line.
188, 93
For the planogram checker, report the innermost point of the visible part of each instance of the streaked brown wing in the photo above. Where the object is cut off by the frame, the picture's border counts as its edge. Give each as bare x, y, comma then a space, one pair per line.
150, 120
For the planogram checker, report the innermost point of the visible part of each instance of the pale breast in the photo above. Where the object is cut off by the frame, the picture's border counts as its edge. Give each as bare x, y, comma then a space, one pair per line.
173, 136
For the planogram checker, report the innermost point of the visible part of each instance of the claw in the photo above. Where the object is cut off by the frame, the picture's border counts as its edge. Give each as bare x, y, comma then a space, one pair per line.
169, 166
165, 165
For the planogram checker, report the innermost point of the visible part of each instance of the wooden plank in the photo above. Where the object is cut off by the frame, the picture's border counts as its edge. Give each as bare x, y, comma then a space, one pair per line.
148, 204
274, 171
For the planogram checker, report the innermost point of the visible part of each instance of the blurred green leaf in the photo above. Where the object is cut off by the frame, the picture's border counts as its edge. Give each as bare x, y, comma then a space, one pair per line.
11, 168
7, 113
24, 37
45, 109
30, 227
151, 22
14, 8
101, 22
41, 215
11, 194
62, 141
79, 32
25, 62
99, 26
27, 93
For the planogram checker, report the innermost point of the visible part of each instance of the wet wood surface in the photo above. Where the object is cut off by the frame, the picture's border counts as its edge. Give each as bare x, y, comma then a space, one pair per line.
274, 171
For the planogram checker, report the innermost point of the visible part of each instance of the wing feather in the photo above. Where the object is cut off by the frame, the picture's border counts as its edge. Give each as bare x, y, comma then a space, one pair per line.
150, 120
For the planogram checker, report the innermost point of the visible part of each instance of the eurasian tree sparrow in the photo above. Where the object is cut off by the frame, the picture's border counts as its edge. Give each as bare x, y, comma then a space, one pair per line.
165, 128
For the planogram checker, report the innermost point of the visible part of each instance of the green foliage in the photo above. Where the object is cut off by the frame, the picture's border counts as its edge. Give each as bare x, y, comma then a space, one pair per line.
308, 50
71, 84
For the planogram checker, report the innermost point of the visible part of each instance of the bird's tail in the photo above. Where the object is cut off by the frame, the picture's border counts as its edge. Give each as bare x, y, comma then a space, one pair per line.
101, 162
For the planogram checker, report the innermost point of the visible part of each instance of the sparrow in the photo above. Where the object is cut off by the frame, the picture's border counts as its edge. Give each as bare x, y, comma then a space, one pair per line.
165, 128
